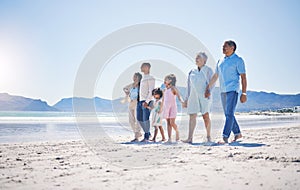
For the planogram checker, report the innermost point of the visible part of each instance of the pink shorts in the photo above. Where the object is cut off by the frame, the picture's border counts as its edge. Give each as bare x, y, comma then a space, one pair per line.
170, 112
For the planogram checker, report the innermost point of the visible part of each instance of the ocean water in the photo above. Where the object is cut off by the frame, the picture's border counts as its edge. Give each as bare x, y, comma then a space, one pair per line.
55, 126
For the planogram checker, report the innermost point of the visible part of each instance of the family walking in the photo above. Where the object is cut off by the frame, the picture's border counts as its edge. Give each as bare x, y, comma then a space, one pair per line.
201, 80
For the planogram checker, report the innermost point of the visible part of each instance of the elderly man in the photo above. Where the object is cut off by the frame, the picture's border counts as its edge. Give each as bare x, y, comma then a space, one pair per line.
229, 70
195, 101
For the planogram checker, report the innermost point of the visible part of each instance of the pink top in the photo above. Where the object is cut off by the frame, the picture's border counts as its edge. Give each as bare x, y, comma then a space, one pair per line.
170, 106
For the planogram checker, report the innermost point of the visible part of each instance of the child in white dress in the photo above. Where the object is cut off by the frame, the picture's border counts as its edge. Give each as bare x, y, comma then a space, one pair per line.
157, 114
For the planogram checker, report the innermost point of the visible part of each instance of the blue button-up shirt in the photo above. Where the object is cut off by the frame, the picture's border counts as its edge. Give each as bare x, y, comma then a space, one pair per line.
229, 70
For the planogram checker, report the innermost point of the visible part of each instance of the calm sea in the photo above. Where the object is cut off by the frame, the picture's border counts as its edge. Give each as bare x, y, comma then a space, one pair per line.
53, 126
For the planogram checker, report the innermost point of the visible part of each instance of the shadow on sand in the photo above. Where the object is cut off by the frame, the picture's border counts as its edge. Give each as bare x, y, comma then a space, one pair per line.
241, 144
141, 143
238, 143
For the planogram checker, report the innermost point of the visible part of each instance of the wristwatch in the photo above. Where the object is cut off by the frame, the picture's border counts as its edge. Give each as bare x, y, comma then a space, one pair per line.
244, 93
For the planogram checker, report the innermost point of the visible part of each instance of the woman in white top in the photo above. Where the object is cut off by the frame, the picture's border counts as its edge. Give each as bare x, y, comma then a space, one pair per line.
195, 100
132, 91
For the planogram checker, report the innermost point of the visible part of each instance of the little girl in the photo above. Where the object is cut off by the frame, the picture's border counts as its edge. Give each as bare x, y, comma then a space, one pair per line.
157, 114
169, 104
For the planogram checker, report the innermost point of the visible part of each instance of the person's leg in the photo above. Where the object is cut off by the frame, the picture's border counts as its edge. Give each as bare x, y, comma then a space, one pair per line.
137, 130
192, 126
131, 116
132, 120
207, 124
146, 122
169, 127
236, 130
231, 101
162, 133
155, 133
139, 114
174, 126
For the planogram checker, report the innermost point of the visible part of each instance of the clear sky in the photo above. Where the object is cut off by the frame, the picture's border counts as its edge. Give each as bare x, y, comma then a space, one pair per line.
42, 43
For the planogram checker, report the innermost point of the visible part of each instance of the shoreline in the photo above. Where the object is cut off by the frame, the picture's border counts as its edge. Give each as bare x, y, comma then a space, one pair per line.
40, 129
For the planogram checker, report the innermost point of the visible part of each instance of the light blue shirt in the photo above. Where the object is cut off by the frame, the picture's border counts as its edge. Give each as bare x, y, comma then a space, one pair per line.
134, 92
229, 70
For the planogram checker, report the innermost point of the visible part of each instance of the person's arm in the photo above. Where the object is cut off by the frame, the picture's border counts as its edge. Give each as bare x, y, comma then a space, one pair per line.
176, 92
160, 107
149, 107
127, 88
162, 102
151, 86
187, 91
211, 84
243, 97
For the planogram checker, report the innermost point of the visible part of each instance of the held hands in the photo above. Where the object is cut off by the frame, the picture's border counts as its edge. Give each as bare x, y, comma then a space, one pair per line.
184, 104
145, 104
207, 92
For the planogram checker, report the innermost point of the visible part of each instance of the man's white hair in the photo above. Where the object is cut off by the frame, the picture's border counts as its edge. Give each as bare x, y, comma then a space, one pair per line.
203, 56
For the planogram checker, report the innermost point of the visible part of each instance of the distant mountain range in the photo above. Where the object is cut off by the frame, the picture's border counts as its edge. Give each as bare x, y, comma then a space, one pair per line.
19, 103
257, 101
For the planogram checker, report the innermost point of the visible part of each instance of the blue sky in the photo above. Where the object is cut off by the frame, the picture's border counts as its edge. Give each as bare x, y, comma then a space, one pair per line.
42, 43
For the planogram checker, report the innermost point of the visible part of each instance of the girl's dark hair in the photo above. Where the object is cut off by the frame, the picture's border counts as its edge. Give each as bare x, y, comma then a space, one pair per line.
139, 76
157, 91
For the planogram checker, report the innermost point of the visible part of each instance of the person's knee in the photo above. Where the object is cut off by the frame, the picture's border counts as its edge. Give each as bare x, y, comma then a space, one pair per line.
206, 117
193, 116
172, 122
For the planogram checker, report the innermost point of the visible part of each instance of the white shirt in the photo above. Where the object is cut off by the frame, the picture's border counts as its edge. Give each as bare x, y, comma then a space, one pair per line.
198, 80
146, 87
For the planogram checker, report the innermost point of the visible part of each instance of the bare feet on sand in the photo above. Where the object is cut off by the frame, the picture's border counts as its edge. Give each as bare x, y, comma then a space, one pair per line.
236, 137
188, 141
225, 141
144, 141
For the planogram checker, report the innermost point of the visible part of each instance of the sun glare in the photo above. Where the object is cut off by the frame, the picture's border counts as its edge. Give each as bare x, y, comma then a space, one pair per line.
11, 58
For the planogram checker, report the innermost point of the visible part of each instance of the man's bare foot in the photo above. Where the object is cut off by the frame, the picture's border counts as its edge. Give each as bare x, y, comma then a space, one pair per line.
187, 141
163, 140
225, 141
153, 140
236, 137
209, 139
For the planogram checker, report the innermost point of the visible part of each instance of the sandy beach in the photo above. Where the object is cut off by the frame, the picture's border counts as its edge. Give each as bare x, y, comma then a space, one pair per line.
264, 159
